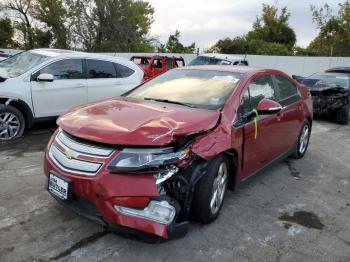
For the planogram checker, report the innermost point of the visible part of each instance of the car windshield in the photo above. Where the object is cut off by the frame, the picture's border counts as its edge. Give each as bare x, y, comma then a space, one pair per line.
206, 89
204, 60
21, 63
341, 80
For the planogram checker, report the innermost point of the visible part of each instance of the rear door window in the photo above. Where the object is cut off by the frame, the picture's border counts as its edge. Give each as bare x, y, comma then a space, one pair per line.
286, 92
100, 69
169, 64
260, 88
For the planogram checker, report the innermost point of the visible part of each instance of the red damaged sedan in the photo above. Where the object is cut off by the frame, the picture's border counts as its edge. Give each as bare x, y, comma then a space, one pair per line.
168, 150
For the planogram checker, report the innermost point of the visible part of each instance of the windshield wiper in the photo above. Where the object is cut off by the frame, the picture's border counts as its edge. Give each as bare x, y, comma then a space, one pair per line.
170, 102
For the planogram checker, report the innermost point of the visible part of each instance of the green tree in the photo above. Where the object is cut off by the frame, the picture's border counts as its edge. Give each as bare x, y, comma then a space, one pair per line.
270, 35
112, 25
23, 20
334, 36
6, 33
53, 14
174, 45
237, 45
273, 27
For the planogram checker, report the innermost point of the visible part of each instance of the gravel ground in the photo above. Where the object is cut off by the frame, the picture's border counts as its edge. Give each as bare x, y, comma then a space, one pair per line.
296, 210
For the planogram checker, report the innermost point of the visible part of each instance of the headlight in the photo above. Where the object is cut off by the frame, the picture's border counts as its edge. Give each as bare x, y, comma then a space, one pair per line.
130, 160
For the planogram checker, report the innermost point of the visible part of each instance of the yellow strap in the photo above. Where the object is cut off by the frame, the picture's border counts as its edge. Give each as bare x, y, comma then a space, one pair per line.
256, 123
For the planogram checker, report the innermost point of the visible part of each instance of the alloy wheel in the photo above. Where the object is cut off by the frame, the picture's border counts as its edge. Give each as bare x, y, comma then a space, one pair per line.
304, 139
219, 188
9, 126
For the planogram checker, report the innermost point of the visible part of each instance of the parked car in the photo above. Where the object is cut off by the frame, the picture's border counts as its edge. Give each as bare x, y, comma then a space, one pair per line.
156, 65
218, 59
330, 92
143, 162
43, 83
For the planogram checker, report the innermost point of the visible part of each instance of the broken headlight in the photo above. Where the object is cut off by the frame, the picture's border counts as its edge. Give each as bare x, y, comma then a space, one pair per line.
138, 160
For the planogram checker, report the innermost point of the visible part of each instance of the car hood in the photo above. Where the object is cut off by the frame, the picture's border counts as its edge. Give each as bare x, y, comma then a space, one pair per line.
126, 121
315, 85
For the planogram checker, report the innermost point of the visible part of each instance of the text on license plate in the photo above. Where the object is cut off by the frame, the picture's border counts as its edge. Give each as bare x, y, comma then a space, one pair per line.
58, 186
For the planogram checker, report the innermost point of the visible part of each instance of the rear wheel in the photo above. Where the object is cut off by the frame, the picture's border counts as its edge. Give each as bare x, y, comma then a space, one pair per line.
12, 123
210, 191
303, 140
342, 115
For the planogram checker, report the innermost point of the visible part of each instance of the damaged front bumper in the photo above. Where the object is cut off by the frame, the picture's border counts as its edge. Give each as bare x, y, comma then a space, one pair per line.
325, 103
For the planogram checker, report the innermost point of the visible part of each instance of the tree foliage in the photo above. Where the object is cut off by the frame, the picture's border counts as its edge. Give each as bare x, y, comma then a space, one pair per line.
273, 27
270, 35
91, 25
334, 36
6, 33
173, 45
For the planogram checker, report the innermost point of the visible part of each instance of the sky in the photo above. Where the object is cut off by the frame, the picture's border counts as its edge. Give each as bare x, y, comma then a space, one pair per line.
206, 21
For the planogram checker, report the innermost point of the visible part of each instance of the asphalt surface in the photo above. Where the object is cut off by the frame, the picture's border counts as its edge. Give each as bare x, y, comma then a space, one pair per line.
297, 210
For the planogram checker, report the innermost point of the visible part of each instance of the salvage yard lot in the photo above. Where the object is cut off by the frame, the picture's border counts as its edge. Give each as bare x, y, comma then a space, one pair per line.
295, 210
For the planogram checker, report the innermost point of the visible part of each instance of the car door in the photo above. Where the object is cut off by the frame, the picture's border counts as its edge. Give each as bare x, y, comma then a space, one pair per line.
102, 80
260, 144
158, 66
290, 118
68, 88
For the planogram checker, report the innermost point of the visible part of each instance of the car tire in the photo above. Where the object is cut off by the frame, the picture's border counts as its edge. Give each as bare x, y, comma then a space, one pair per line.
12, 123
342, 115
303, 140
210, 191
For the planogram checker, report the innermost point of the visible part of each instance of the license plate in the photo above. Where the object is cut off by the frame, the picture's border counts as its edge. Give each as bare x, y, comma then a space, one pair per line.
58, 186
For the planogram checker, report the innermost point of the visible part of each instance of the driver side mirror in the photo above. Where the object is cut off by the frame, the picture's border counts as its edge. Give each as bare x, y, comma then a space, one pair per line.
45, 78
268, 107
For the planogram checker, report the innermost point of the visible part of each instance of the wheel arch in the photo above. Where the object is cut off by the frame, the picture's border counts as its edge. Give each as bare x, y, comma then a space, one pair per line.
22, 107
232, 156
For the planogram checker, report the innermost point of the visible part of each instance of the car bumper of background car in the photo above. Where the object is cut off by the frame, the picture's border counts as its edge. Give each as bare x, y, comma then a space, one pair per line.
105, 197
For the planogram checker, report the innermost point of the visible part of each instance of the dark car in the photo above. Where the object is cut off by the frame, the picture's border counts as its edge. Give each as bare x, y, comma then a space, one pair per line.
330, 92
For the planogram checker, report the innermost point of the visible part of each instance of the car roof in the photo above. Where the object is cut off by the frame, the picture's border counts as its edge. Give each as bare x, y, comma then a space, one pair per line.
156, 56
71, 54
345, 70
225, 57
51, 52
227, 68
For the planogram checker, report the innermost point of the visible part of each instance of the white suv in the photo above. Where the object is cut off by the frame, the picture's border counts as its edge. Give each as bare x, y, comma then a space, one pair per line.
44, 83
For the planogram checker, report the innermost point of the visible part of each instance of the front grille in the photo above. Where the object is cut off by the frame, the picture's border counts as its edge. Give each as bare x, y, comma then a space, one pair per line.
89, 150
76, 157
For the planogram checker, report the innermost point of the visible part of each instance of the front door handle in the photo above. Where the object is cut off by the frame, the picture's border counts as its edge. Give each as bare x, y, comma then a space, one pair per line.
79, 86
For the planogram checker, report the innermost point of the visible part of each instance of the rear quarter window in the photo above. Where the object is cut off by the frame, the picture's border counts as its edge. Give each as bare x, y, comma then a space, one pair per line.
123, 71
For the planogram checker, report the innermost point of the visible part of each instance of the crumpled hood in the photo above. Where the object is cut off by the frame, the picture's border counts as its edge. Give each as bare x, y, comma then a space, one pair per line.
126, 121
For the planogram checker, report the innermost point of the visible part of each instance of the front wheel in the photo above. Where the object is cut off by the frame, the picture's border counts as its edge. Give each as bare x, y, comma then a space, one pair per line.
210, 191
303, 140
12, 123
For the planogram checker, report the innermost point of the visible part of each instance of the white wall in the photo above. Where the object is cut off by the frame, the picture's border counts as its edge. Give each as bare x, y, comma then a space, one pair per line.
292, 65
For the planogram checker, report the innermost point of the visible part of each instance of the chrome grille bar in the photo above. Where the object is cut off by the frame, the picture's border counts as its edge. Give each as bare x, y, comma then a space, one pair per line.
89, 150
73, 165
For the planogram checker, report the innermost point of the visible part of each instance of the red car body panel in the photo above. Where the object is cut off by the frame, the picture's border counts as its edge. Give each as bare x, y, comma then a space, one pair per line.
150, 71
126, 121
